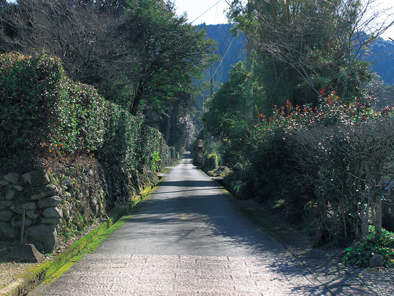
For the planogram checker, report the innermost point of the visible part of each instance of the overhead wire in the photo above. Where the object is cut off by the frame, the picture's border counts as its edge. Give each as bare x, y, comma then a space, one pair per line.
207, 10
228, 47
224, 39
235, 55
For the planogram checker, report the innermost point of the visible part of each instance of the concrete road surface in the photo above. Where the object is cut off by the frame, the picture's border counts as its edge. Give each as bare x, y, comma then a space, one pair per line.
187, 239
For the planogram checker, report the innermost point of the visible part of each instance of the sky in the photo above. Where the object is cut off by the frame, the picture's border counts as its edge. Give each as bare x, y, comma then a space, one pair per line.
211, 11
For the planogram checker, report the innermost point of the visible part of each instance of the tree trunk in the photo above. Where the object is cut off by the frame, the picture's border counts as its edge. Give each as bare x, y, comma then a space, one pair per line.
378, 218
137, 100
364, 220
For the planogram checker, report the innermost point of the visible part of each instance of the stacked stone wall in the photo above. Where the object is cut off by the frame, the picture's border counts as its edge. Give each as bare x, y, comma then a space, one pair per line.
32, 195
62, 201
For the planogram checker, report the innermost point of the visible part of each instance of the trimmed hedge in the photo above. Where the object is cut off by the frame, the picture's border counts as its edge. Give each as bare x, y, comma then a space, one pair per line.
44, 110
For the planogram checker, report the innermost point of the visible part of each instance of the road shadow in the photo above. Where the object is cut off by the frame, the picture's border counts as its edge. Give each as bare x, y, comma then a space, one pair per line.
189, 183
211, 221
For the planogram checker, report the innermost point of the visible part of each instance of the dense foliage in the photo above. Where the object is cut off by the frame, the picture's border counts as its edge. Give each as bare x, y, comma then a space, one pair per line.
297, 124
301, 47
43, 108
362, 252
44, 111
138, 54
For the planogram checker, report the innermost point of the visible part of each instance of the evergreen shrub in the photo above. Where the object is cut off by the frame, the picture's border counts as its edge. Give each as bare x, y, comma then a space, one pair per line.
42, 108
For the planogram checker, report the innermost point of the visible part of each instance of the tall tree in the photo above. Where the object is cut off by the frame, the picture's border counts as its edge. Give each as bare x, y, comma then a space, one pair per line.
170, 50
302, 47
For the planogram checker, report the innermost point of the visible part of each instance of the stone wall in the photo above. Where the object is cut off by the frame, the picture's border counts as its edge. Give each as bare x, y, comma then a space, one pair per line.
33, 194
62, 200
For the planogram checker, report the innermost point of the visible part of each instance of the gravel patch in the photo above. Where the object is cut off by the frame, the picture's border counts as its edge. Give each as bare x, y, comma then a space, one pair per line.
381, 280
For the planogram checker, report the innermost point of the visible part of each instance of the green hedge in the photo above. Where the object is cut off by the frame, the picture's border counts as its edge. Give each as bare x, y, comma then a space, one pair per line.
152, 152
121, 137
44, 110
29, 87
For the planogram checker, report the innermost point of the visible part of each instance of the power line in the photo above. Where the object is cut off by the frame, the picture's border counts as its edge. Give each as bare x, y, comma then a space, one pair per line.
224, 39
235, 55
208, 10
228, 47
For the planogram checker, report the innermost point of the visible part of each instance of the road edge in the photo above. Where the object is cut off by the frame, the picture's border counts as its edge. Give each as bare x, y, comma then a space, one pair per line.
281, 232
36, 275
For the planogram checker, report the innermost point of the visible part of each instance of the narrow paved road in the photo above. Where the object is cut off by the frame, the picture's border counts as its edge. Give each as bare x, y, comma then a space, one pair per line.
187, 239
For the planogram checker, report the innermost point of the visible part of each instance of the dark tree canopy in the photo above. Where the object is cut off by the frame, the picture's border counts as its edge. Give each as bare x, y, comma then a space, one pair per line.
136, 53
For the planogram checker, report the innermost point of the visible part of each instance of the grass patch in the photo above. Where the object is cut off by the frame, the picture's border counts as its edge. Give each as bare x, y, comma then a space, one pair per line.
93, 245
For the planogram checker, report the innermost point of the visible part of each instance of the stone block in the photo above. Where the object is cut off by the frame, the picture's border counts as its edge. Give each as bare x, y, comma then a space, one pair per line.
44, 237
13, 178
6, 215
42, 192
36, 178
50, 221
11, 193
7, 232
376, 260
17, 209
16, 221
3, 183
6, 203
29, 206
52, 201
19, 188
52, 212
32, 214
25, 253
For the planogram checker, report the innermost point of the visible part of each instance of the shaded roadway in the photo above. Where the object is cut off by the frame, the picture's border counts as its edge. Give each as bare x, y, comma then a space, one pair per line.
189, 238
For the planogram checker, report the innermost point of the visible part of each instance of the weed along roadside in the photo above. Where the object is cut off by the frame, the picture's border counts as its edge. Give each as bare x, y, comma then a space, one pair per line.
47, 272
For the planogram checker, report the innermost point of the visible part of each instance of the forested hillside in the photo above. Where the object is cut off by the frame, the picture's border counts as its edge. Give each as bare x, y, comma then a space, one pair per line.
381, 55
230, 50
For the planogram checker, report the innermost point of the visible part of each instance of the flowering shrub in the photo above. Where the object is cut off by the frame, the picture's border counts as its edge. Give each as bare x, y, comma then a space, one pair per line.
327, 162
330, 111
